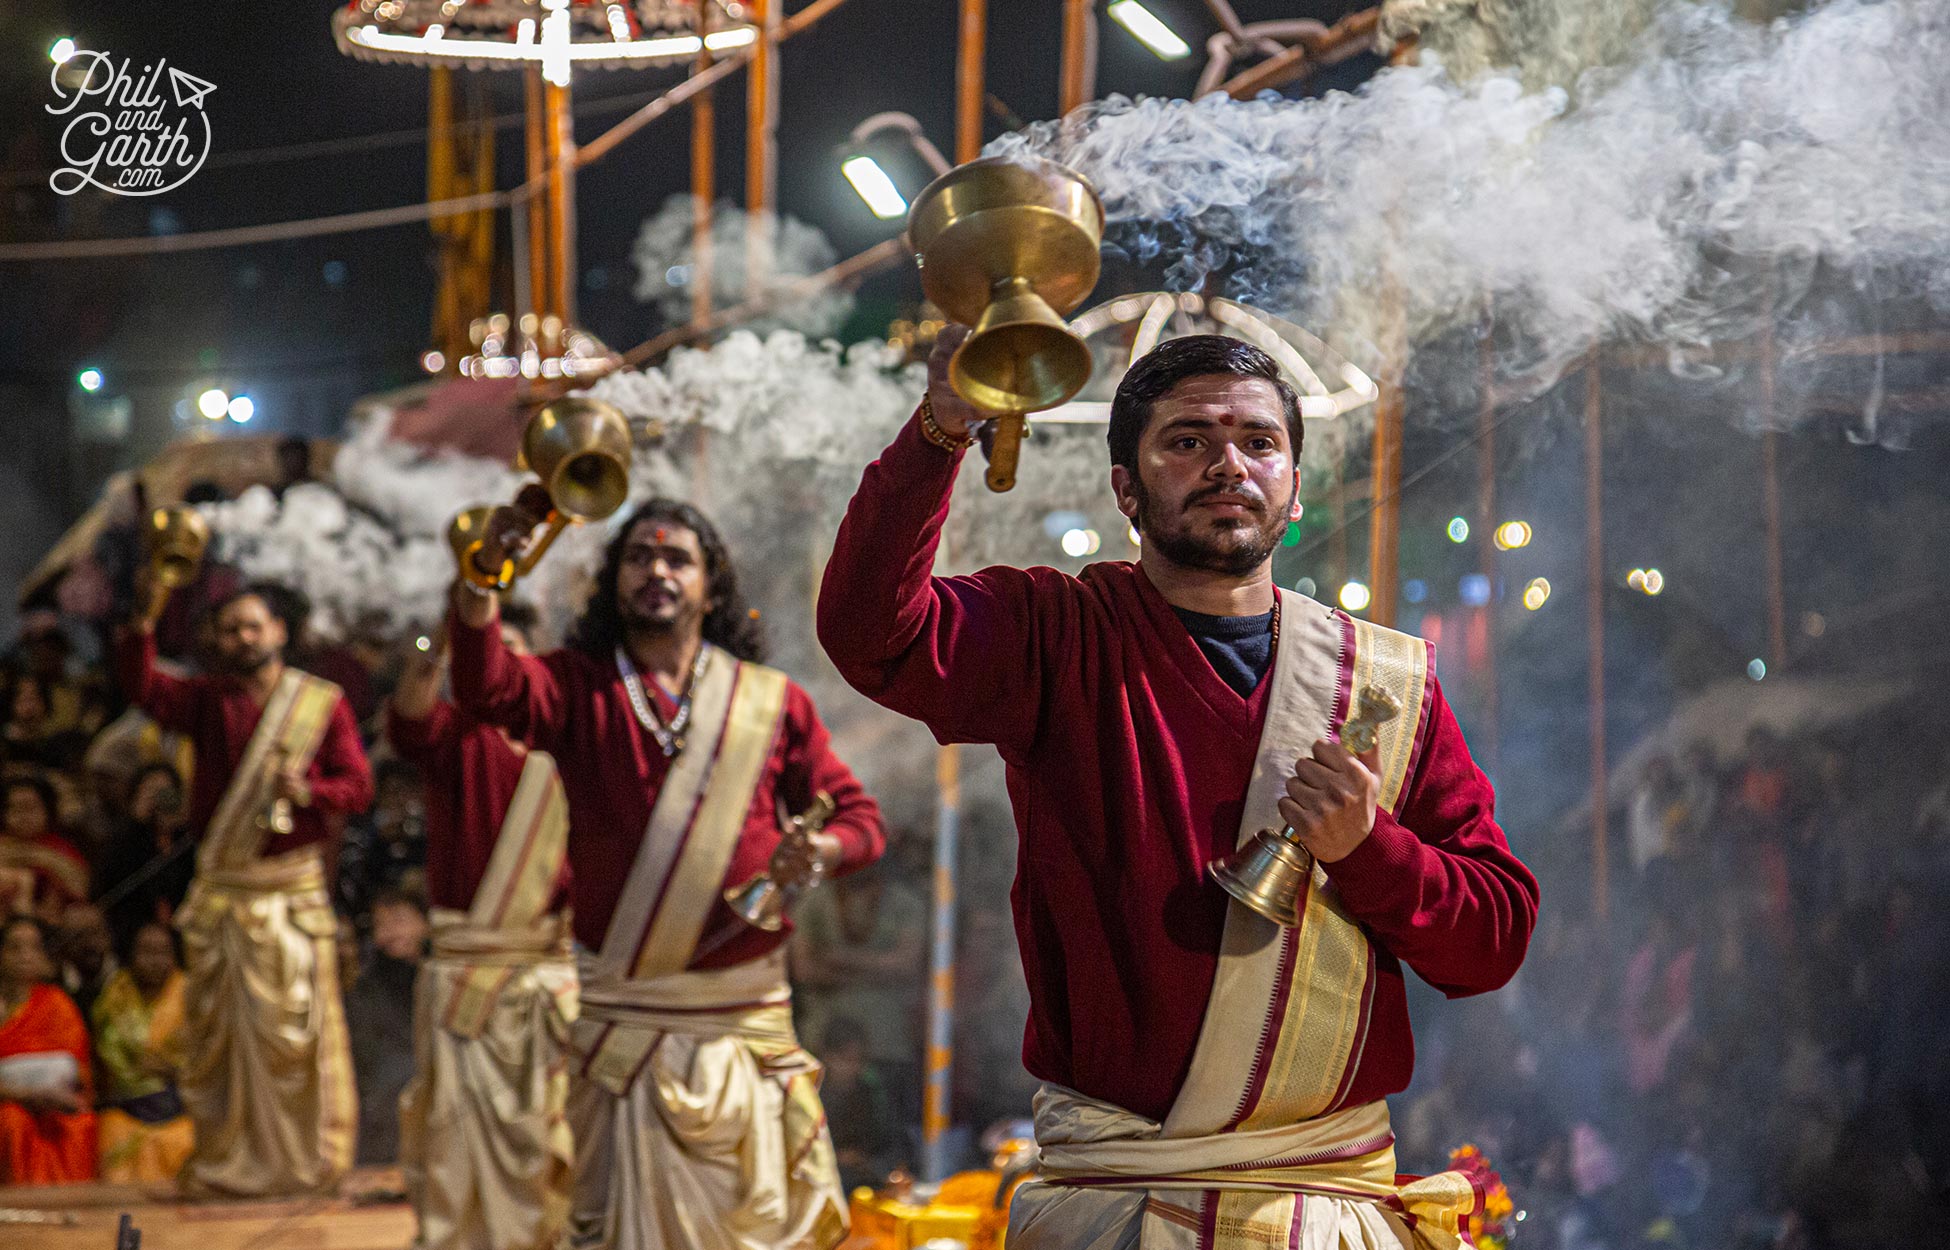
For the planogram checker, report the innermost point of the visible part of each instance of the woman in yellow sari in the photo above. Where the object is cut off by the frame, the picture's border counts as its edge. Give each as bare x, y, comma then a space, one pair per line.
145, 1133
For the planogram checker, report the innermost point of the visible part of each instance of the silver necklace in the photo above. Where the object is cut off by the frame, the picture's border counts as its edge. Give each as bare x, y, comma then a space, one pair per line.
670, 739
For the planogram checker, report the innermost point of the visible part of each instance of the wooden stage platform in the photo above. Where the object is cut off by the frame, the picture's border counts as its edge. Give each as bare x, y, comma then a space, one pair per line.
368, 1214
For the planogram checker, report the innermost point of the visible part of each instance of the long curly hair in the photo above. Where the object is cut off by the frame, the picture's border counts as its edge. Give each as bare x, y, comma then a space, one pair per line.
729, 624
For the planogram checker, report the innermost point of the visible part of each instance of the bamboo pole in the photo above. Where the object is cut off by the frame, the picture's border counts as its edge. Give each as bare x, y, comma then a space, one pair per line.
1075, 87
561, 142
704, 173
538, 228
971, 49
761, 146
1594, 561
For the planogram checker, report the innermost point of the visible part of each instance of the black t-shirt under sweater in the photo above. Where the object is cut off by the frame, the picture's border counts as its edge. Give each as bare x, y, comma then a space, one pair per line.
1239, 647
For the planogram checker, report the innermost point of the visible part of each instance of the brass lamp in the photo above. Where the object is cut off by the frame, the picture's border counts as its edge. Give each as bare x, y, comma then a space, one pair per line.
1006, 246
1269, 873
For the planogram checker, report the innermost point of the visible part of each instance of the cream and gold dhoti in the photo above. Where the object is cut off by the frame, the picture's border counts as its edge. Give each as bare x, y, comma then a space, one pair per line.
484, 1132
697, 1118
1260, 1148
696, 1112
268, 1083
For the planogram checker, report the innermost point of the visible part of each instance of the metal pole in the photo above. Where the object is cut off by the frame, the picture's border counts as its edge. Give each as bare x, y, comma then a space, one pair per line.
1491, 738
1594, 561
968, 80
761, 146
1079, 55
1384, 516
704, 189
1770, 493
941, 971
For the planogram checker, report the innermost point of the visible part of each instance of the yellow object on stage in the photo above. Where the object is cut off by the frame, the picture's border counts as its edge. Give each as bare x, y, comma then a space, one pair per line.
970, 1209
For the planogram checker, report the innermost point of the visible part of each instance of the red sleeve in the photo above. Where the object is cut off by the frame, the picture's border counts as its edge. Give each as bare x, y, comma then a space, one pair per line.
1438, 884
522, 694
810, 766
418, 741
956, 653
169, 701
341, 779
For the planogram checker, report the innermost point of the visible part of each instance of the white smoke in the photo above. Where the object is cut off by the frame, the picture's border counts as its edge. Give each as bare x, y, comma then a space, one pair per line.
1702, 177
666, 263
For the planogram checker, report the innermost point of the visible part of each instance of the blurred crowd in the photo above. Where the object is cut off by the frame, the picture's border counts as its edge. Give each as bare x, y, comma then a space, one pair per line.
1746, 1050
1742, 1051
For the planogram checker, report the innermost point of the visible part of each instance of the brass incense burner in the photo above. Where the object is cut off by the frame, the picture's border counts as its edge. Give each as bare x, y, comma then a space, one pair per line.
580, 449
1006, 247
1270, 873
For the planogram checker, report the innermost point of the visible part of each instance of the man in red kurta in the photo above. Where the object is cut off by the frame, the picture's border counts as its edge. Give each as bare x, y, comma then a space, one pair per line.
484, 1135
278, 761
695, 1110
1152, 718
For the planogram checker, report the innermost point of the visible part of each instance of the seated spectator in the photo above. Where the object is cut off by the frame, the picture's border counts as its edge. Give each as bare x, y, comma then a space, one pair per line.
382, 847
145, 1131
85, 954
147, 867
379, 1012
41, 872
858, 1106
47, 1126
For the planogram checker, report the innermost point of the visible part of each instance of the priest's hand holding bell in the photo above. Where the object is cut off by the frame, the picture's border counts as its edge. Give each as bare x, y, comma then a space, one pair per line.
1330, 800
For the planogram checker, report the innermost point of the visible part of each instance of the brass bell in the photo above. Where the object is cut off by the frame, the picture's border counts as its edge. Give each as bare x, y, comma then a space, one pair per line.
580, 448
1007, 246
1270, 872
762, 901
176, 538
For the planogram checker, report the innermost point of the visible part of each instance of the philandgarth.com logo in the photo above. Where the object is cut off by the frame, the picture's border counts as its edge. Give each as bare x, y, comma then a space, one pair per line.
124, 134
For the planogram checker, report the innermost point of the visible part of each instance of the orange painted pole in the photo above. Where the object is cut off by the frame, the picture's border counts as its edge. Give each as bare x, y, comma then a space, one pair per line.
704, 176
761, 146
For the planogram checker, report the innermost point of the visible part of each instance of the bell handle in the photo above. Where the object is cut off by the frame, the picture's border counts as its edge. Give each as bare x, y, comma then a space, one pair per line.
472, 571
1004, 453
159, 592
558, 521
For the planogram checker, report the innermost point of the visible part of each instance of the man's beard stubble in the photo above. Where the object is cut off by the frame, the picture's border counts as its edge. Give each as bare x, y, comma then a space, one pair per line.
1185, 549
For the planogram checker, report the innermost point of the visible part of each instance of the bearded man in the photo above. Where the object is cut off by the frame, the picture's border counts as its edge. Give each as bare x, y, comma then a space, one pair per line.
696, 1112
1212, 1078
268, 1079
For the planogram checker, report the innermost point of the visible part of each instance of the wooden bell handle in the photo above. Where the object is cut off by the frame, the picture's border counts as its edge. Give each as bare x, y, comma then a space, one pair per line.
1005, 451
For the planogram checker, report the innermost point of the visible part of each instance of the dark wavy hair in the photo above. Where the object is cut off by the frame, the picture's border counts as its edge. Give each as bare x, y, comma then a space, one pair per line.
730, 624
1191, 356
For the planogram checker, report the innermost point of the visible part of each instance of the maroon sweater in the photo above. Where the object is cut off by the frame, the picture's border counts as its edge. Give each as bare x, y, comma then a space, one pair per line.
577, 709
471, 772
1128, 760
219, 715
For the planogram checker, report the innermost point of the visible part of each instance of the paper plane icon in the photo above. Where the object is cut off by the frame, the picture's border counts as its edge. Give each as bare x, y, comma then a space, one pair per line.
189, 89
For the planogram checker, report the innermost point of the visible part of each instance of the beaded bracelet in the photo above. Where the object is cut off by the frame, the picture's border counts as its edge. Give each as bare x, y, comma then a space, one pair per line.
932, 431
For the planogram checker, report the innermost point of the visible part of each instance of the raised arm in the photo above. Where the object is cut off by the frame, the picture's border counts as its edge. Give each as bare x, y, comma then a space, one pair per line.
956, 653
169, 701
1438, 884
418, 720
522, 694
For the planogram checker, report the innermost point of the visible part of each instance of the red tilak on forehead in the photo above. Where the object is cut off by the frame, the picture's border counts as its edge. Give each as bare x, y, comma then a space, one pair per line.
661, 533
1225, 418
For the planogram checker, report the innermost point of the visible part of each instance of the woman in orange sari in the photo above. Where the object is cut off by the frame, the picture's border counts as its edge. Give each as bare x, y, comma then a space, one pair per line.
145, 1131
47, 1127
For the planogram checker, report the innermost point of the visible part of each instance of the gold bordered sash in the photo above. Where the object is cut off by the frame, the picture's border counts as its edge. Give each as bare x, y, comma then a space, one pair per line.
515, 891
292, 724
1288, 1013
695, 822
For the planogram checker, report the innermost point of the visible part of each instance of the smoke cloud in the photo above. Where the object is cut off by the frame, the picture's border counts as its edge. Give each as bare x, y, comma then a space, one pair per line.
666, 263
1673, 198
